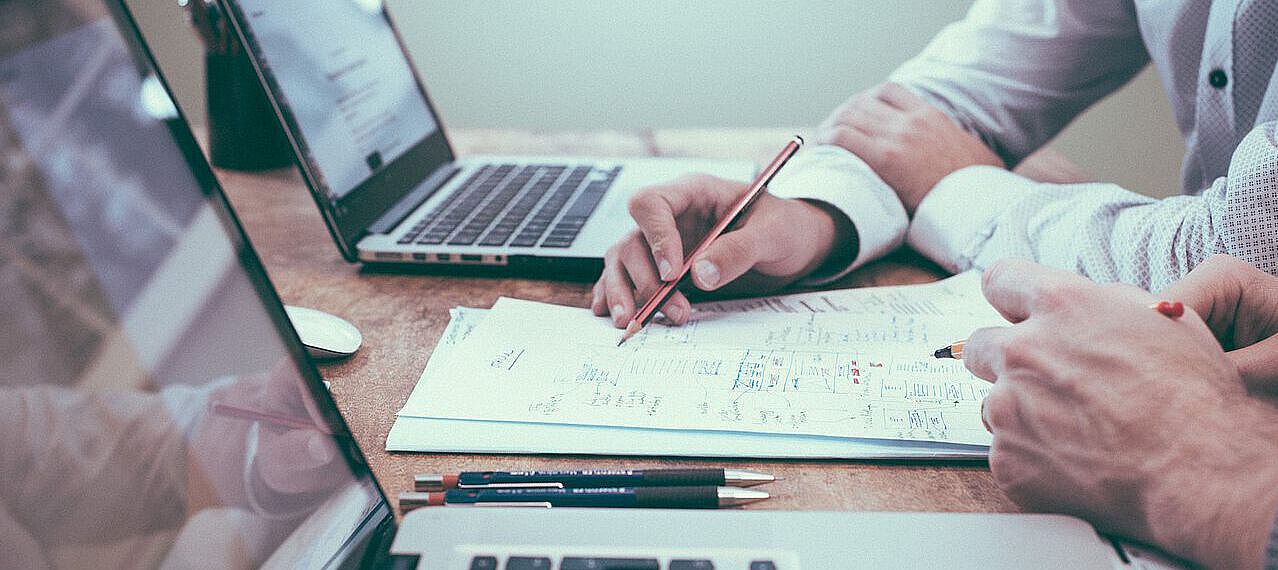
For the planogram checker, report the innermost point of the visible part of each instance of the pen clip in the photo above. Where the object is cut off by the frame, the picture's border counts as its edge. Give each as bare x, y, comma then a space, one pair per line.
542, 504
538, 485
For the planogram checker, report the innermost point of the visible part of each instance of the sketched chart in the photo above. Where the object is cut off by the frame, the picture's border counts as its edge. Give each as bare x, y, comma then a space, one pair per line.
825, 374
816, 392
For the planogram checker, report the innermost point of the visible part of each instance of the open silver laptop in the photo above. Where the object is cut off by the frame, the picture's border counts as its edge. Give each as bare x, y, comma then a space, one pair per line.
157, 410
375, 156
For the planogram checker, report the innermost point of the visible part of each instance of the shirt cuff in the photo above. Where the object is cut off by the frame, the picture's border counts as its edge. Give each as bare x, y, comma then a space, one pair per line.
831, 174
957, 217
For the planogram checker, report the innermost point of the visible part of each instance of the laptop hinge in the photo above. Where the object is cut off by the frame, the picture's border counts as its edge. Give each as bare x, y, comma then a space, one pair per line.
409, 203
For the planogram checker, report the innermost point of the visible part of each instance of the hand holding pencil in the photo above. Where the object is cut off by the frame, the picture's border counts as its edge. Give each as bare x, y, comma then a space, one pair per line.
780, 241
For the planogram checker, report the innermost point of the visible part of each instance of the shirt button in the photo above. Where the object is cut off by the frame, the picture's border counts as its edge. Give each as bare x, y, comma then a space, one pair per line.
1217, 78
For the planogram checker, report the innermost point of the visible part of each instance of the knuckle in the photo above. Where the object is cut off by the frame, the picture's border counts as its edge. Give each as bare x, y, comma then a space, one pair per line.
1000, 409
917, 122
1020, 351
1058, 297
889, 154
639, 204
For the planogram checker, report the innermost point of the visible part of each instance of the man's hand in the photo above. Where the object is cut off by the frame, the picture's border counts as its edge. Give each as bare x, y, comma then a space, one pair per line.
780, 241
1240, 304
1105, 409
910, 144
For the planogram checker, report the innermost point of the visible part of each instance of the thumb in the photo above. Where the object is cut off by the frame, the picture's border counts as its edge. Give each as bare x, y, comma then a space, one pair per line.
728, 257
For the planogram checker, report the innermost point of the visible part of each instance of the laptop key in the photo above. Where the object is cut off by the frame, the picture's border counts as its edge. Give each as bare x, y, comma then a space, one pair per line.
575, 563
527, 563
690, 565
763, 565
483, 563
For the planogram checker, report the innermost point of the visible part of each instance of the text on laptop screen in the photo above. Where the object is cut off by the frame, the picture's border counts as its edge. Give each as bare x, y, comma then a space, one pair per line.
153, 412
336, 67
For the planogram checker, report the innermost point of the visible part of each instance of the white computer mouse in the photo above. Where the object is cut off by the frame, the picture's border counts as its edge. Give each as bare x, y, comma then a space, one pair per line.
325, 336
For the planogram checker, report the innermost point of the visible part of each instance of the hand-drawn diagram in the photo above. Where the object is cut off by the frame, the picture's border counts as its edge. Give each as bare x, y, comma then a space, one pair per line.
830, 374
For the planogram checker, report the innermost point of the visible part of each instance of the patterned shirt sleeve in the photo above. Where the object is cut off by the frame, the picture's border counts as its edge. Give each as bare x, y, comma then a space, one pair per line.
1101, 230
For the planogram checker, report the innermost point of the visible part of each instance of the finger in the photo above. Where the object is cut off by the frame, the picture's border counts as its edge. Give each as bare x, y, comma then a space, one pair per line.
1017, 287
1258, 365
677, 310
619, 293
984, 353
870, 115
852, 139
656, 211
1213, 290
898, 97
639, 266
598, 301
728, 258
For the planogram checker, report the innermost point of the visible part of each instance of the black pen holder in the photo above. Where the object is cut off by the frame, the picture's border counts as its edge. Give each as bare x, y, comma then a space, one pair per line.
244, 132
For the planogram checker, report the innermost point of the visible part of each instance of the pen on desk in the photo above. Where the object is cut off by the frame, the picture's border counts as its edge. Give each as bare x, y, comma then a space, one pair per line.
737, 212
701, 497
954, 351
230, 411
591, 478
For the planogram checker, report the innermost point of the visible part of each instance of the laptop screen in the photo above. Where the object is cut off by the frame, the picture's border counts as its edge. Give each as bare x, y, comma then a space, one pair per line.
357, 109
155, 407
360, 123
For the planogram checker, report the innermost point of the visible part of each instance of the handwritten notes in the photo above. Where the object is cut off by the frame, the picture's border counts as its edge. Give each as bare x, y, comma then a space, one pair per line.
852, 363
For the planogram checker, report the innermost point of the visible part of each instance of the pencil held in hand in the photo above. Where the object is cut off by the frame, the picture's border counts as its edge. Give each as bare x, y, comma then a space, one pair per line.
737, 212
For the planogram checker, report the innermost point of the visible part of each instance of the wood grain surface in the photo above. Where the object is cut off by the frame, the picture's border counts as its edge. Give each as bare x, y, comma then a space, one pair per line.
403, 315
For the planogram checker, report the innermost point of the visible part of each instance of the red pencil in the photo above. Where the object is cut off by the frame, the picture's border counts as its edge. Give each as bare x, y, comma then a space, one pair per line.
738, 211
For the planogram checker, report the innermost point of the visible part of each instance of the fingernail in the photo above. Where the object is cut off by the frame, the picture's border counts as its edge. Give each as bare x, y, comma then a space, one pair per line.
664, 268
707, 273
673, 312
617, 311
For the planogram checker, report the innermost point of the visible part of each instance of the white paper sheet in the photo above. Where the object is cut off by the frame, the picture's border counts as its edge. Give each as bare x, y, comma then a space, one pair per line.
417, 434
862, 369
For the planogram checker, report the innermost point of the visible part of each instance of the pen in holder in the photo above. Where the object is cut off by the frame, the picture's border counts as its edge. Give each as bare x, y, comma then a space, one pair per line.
244, 133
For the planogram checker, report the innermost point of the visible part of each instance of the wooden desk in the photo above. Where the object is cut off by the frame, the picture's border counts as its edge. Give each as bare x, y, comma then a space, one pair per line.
402, 316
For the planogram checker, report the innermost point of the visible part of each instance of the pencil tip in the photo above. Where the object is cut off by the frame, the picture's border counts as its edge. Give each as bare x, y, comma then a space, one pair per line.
946, 352
631, 329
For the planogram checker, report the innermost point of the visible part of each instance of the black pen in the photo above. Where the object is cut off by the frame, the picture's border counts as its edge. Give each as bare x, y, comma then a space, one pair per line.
701, 497
719, 477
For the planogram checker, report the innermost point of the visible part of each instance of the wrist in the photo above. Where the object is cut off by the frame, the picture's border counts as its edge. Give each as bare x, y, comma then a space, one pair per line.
833, 235
1219, 507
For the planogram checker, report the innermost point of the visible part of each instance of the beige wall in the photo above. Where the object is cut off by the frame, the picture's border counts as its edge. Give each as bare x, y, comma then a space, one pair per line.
582, 64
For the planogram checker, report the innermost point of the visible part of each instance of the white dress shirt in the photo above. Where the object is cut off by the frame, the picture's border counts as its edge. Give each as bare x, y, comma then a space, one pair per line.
1014, 73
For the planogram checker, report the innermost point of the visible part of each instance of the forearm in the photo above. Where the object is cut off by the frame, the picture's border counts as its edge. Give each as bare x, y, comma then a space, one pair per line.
978, 215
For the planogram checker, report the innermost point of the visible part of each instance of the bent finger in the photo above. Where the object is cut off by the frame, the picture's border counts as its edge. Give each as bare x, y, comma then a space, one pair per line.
898, 96
984, 352
1018, 287
598, 300
619, 293
1258, 365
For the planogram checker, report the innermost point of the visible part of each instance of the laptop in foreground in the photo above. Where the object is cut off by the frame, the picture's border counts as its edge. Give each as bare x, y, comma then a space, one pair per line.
374, 153
157, 410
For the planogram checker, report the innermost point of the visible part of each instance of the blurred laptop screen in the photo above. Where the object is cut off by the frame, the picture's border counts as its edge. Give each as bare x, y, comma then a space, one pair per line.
154, 408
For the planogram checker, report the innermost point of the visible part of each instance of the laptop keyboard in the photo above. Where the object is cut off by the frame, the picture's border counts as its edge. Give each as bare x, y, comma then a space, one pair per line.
516, 205
601, 563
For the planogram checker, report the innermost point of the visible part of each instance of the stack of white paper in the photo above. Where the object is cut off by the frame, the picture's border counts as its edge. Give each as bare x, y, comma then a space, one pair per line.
834, 374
